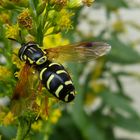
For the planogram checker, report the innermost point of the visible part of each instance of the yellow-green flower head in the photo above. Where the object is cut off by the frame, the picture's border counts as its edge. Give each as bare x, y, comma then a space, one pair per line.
12, 31
88, 2
9, 118
118, 26
54, 40
55, 115
25, 19
78, 3
74, 3
4, 18
37, 125
15, 59
3, 71
59, 2
64, 20
10, 4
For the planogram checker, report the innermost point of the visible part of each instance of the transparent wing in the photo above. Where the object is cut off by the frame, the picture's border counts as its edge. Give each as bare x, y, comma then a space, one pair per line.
79, 52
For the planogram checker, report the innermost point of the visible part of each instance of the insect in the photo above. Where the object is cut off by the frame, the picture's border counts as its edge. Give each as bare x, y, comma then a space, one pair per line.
53, 75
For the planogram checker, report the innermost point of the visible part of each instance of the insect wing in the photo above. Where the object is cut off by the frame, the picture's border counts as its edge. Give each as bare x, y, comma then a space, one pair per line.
22, 86
24, 94
79, 52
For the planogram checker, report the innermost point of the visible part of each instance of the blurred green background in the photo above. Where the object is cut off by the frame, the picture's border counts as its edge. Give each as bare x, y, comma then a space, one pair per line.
102, 110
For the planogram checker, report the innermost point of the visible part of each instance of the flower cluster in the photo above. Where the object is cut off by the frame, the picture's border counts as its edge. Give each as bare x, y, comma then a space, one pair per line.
54, 41
43, 23
8, 4
48, 15
63, 20
12, 31
88, 2
4, 18
3, 71
8, 119
60, 3
25, 19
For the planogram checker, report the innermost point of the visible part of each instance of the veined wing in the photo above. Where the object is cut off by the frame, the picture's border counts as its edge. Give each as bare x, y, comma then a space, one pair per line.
79, 52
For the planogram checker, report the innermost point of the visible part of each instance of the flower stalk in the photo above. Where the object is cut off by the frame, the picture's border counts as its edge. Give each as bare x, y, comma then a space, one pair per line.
24, 127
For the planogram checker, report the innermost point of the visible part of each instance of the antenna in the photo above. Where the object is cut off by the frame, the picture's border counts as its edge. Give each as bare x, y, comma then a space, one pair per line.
13, 40
20, 41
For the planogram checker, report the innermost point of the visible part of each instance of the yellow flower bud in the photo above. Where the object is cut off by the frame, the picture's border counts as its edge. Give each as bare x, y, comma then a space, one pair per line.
64, 21
25, 19
3, 71
4, 18
15, 59
9, 118
119, 26
54, 41
88, 2
12, 31
37, 125
61, 3
75, 3
55, 116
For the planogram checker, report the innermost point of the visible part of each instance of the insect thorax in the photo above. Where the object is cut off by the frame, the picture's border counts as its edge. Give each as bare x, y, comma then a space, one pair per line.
32, 53
52, 75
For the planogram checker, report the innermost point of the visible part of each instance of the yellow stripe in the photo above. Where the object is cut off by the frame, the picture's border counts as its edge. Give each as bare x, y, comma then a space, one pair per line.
58, 90
68, 82
30, 61
24, 57
49, 80
41, 73
61, 71
39, 61
54, 64
66, 97
30, 50
73, 93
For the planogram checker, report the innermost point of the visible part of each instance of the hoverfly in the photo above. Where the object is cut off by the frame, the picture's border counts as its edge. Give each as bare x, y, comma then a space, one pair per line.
52, 75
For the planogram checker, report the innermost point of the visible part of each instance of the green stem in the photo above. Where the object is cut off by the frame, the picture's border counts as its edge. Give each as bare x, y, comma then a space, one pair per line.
23, 128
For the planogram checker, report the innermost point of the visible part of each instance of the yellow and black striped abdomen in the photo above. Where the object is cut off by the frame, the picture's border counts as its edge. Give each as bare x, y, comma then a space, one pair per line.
57, 81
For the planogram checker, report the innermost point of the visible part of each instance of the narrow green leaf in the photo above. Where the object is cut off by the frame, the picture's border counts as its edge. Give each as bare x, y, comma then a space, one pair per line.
122, 53
39, 35
8, 132
41, 7
117, 102
131, 124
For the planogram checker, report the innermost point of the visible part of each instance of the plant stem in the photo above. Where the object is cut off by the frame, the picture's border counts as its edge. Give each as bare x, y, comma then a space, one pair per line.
23, 128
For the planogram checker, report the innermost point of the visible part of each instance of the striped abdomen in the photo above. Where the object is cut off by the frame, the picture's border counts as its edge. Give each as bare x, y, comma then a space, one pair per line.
57, 81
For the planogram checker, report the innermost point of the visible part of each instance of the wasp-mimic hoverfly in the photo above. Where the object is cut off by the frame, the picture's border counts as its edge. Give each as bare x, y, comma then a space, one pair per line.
53, 75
